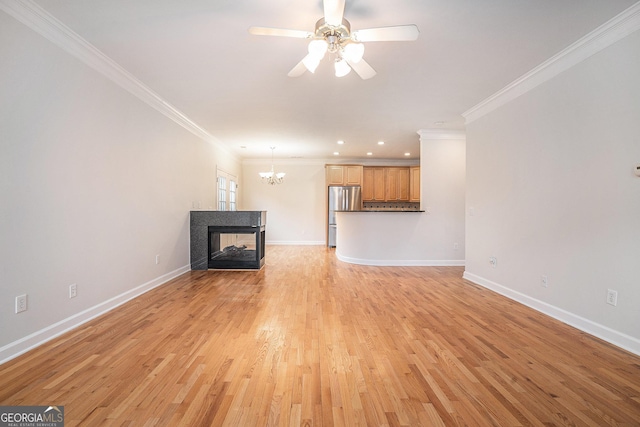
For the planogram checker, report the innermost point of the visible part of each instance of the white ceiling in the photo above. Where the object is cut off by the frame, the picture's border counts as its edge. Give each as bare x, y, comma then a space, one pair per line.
199, 56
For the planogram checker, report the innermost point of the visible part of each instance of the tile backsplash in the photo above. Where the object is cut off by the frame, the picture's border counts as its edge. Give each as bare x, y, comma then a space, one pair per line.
391, 206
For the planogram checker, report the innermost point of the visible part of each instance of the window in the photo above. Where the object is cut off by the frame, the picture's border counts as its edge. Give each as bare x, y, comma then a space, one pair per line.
227, 192
232, 196
222, 193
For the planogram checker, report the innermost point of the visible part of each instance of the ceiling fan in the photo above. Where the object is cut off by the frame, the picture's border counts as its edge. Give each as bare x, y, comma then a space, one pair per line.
333, 34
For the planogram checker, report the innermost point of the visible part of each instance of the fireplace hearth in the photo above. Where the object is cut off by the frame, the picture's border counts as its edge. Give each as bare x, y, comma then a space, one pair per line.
227, 240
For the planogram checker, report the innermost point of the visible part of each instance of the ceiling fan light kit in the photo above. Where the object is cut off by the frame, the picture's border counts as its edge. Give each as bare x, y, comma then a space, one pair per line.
333, 34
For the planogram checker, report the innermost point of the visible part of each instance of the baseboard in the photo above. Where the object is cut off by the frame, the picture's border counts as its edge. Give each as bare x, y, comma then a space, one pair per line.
295, 242
609, 335
402, 262
40, 337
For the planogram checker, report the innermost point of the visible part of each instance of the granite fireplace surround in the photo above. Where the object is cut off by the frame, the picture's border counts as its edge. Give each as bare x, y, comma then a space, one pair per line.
211, 229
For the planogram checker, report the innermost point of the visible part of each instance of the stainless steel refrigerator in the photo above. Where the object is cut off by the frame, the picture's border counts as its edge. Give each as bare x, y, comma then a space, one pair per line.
341, 199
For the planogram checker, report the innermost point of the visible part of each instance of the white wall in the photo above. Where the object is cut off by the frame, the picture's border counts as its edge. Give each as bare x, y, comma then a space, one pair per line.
296, 208
551, 191
442, 191
93, 184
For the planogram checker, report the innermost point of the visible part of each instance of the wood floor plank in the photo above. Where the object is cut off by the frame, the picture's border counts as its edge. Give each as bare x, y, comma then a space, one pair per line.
309, 340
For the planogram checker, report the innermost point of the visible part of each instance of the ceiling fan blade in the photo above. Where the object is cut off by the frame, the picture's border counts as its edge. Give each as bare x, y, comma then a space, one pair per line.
362, 67
298, 70
387, 34
264, 31
333, 12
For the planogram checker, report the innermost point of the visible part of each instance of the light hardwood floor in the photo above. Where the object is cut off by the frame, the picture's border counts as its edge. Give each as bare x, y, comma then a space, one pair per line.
309, 340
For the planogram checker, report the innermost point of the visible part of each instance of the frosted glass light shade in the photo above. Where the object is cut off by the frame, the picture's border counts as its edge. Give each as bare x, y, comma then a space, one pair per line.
353, 52
311, 62
342, 68
318, 48
271, 177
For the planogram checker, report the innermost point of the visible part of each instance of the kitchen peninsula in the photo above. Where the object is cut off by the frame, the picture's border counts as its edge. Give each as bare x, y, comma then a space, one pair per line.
380, 237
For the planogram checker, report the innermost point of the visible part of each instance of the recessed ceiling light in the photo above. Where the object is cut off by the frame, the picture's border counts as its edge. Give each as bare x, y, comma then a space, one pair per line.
407, 154
369, 153
335, 153
340, 142
380, 142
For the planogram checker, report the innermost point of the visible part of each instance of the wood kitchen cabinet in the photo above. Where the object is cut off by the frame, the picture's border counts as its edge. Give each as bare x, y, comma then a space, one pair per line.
373, 188
397, 184
344, 174
387, 184
414, 184
379, 183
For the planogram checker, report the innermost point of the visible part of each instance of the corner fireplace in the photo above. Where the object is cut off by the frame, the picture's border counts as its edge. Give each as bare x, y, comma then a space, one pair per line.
227, 239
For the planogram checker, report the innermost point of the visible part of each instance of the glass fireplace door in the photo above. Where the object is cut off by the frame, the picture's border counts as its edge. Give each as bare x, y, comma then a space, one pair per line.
236, 247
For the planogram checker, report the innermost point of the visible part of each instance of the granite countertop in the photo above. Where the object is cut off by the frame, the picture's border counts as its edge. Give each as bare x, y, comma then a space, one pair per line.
384, 210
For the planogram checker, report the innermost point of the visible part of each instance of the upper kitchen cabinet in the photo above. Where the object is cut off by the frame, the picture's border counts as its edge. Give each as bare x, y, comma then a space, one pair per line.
373, 184
397, 184
391, 184
414, 184
344, 174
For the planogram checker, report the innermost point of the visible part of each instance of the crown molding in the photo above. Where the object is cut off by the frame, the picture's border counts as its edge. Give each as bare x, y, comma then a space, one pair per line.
39, 20
331, 161
605, 35
283, 161
442, 134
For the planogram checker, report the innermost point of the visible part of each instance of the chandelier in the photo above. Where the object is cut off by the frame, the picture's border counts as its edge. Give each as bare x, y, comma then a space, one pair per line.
271, 177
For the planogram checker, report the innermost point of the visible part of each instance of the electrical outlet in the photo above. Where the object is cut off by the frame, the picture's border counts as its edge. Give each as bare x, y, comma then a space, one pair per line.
544, 281
493, 261
157, 259
73, 291
21, 303
612, 297
455, 246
